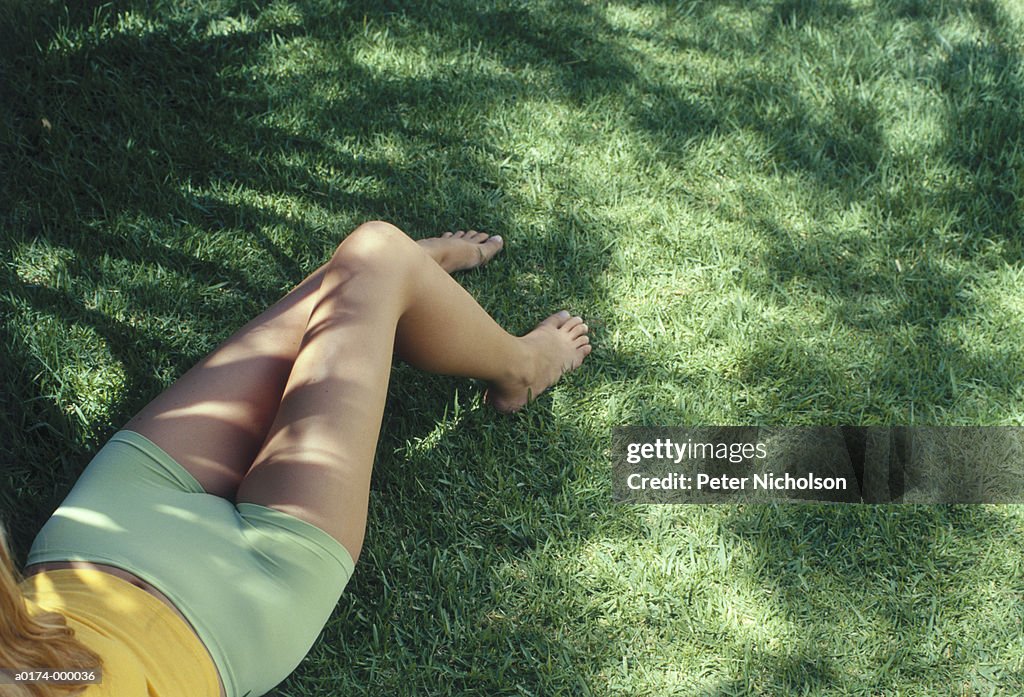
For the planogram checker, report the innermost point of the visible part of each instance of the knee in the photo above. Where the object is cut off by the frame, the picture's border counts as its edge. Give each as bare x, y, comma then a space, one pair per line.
374, 234
374, 243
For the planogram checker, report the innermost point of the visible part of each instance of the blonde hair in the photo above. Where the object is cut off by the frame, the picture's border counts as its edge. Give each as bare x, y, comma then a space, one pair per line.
43, 641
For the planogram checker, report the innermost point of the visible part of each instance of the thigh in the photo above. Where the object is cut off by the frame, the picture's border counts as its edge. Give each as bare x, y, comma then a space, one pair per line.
213, 420
317, 460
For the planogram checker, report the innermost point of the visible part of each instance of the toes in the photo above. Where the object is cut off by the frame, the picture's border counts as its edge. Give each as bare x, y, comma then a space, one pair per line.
581, 341
490, 247
572, 325
579, 330
446, 234
474, 236
460, 234
557, 319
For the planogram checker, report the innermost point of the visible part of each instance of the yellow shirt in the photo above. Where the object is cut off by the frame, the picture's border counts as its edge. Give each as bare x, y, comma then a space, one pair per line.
146, 649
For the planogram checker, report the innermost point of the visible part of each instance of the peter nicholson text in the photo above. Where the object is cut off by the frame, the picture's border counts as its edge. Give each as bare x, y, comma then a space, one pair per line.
767, 481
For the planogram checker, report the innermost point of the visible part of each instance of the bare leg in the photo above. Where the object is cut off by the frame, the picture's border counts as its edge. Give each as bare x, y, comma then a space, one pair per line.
214, 419
382, 290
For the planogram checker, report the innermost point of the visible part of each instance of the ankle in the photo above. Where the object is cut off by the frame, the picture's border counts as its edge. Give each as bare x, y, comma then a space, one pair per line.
522, 372
437, 251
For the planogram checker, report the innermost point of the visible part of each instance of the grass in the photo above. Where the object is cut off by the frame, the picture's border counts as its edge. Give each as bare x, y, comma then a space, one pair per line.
777, 212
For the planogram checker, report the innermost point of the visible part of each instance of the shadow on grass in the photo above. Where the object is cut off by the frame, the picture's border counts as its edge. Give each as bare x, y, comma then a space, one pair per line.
169, 146
907, 284
140, 152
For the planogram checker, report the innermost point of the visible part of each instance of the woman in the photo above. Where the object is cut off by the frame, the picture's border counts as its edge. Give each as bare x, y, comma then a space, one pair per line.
204, 548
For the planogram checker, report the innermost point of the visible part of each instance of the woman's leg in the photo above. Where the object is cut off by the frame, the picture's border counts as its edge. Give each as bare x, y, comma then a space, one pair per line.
382, 291
214, 419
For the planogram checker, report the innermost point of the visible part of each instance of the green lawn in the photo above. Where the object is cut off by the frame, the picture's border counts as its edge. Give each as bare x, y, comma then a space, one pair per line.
771, 212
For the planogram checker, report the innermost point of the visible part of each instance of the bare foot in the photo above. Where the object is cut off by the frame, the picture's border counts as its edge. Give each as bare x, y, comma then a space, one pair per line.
465, 249
555, 346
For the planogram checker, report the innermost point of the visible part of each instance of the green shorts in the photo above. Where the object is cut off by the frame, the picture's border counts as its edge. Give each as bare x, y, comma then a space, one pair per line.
257, 584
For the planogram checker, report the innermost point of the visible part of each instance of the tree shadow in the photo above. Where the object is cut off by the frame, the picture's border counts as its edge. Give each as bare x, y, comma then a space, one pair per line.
160, 148
135, 156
